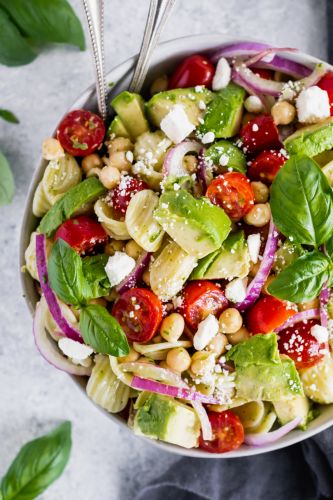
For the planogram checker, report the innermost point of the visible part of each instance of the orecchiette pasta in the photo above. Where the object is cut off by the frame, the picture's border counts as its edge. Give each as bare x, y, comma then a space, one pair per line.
59, 176
40, 203
115, 228
30, 255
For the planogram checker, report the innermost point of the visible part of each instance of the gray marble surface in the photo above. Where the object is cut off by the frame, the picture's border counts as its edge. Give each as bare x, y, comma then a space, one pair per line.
106, 463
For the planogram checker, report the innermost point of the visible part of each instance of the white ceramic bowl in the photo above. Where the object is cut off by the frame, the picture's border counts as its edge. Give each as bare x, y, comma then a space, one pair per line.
165, 57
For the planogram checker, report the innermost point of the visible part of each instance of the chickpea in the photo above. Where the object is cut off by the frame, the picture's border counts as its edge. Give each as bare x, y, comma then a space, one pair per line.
120, 144
131, 356
283, 113
159, 85
109, 177
311, 304
99, 302
144, 359
52, 149
217, 344
202, 363
119, 160
267, 283
133, 249
253, 104
93, 171
113, 246
91, 161
259, 215
190, 163
247, 117
261, 192
230, 320
146, 277
172, 327
178, 359
240, 336
163, 364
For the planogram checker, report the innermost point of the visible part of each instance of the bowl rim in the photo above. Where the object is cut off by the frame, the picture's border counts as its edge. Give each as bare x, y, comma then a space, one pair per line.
171, 48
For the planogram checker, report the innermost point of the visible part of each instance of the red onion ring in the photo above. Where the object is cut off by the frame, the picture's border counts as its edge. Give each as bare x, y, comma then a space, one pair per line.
173, 162
323, 300
131, 280
271, 437
202, 170
300, 316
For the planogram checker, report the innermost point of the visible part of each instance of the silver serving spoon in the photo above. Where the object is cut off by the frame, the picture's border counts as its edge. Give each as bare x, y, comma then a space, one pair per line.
157, 16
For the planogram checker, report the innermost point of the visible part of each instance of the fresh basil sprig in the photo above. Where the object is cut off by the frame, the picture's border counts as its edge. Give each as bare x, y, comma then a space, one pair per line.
37, 465
102, 331
302, 202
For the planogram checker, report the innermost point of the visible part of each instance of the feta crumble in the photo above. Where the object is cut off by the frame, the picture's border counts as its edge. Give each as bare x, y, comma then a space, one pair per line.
312, 105
222, 75
207, 329
254, 243
118, 267
253, 104
235, 291
208, 137
74, 350
176, 124
320, 333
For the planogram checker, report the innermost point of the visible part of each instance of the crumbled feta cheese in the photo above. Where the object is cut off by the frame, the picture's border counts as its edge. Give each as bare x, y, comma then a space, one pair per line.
118, 267
254, 243
222, 75
199, 88
176, 124
235, 291
129, 156
202, 105
255, 127
253, 104
207, 329
74, 350
224, 160
208, 137
320, 333
312, 105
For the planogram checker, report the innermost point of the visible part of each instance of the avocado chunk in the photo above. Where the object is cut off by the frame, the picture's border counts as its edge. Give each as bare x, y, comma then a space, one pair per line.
260, 372
231, 261
224, 114
198, 226
117, 128
131, 110
311, 140
286, 255
191, 98
164, 418
225, 154
287, 410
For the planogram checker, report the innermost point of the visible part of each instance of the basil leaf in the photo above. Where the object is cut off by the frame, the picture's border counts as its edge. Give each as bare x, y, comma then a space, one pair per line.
37, 465
102, 331
85, 192
7, 115
303, 279
65, 274
329, 246
93, 269
14, 49
46, 21
7, 186
302, 202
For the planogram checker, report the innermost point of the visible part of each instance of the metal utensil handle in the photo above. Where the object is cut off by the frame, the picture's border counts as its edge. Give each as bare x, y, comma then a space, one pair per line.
94, 10
159, 11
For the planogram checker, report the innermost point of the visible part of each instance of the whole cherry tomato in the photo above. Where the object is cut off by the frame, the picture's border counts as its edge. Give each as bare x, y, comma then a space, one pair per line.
201, 298
81, 132
267, 314
193, 70
124, 192
326, 83
139, 313
227, 430
267, 74
266, 165
82, 233
259, 134
232, 192
300, 345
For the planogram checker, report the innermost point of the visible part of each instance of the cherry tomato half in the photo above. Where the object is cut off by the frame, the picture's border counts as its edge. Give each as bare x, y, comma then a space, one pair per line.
194, 70
228, 432
124, 192
82, 233
81, 132
326, 83
302, 347
139, 313
259, 134
267, 314
266, 165
201, 298
232, 192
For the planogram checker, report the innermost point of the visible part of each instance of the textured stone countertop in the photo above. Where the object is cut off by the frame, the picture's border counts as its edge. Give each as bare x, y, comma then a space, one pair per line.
107, 463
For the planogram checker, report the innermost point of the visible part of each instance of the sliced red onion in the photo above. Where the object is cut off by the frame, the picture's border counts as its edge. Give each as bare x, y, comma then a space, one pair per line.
300, 316
49, 295
286, 66
319, 71
132, 279
271, 437
244, 76
324, 297
206, 427
254, 288
202, 170
144, 384
240, 49
267, 55
49, 349
173, 162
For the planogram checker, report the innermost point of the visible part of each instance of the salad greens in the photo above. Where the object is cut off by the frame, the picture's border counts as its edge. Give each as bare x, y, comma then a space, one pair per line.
38, 464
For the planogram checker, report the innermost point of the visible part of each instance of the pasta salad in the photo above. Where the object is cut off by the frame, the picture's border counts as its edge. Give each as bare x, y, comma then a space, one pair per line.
183, 254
